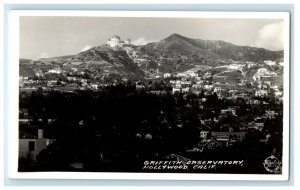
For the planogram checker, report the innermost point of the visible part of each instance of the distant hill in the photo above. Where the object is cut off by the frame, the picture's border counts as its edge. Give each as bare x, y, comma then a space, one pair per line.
209, 50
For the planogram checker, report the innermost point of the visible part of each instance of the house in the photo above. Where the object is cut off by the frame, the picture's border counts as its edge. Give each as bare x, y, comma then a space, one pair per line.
228, 111
181, 75
196, 86
262, 71
275, 87
217, 89
236, 66
204, 134
262, 86
250, 64
54, 71
268, 83
270, 114
94, 86
139, 86
167, 75
243, 127
185, 83
185, 90
30, 146
140, 60
191, 73
178, 84
256, 126
23, 78
208, 87
261, 93
265, 141
72, 78
76, 62
213, 143
84, 82
203, 99
24, 121
270, 63
254, 102
207, 75
158, 92
23, 113
74, 69
51, 83
241, 95
174, 90
232, 92
221, 135
278, 93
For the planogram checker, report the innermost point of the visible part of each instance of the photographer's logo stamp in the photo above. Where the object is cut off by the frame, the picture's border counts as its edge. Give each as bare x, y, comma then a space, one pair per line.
272, 164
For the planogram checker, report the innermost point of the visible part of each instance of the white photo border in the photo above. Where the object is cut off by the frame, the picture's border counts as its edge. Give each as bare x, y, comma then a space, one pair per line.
13, 92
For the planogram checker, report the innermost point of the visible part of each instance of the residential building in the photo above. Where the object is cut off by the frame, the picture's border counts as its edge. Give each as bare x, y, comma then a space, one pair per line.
30, 146
261, 93
221, 135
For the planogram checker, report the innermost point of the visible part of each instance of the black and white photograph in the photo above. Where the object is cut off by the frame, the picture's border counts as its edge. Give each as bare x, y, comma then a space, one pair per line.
152, 94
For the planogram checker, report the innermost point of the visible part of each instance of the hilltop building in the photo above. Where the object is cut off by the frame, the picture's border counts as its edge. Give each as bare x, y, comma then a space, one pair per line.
116, 41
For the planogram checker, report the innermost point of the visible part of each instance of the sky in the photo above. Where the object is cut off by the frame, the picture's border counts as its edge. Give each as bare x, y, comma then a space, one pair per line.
42, 37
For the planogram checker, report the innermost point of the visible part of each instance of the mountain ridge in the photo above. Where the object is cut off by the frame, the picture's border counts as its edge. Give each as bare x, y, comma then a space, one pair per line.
175, 53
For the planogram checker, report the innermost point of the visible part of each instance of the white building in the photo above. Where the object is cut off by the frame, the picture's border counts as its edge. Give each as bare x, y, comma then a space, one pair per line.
204, 134
23, 78
51, 82
271, 114
261, 93
176, 90
263, 72
54, 71
94, 86
208, 87
217, 89
278, 93
270, 63
30, 146
167, 75
116, 41
185, 90
250, 64
181, 75
228, 111
72, 78
236, 66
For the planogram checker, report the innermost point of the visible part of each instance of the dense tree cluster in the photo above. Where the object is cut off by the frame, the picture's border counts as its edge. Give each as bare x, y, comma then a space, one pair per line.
120, 127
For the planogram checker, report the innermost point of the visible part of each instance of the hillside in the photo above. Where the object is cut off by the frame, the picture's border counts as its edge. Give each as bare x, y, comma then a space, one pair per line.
177, 45
175, 53
101, 62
